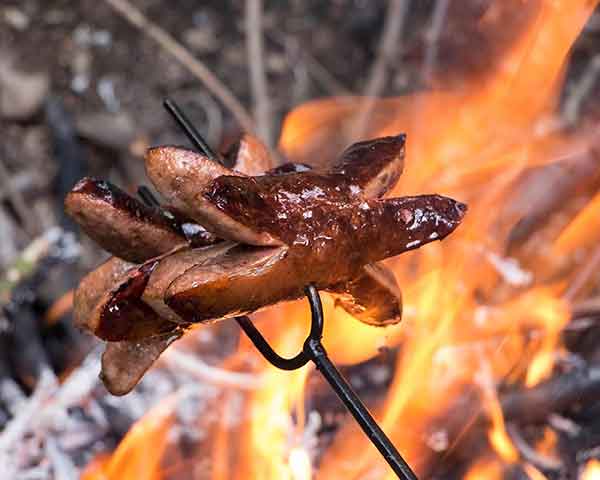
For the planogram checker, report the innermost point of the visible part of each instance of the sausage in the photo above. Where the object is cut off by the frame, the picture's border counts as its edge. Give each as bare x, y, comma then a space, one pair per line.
172, 267
181, 175
330, 247
104, 278
200, 187
374, 166
373, 296
121, 314
124, 363
249, 155
284, 229
126, 227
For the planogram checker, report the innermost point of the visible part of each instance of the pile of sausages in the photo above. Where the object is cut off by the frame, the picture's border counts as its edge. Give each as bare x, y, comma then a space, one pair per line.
230, 241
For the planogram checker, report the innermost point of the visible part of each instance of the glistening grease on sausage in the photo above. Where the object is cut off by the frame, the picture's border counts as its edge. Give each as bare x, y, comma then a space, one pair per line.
283, 228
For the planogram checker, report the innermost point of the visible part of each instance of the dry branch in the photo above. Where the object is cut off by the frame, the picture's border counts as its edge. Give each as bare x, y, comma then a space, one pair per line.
320, 73
392, 32
579, 386
438, 18
256, 64
181, 54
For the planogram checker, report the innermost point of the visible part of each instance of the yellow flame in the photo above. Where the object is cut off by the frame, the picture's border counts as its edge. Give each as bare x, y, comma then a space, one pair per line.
272, 434
533, 473
300, 465
131, 460
485, 469
591, 471
462, 304
583, 230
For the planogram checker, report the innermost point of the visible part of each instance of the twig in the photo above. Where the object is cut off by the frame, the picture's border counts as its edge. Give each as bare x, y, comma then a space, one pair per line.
193, 365
314, 66
27, 215
256, 65
392, 32
529, 453
183, 56
440, 11
20, 423
579, 386
433, 36
583, 275
52, 243
574, 101
63, 467
324, 76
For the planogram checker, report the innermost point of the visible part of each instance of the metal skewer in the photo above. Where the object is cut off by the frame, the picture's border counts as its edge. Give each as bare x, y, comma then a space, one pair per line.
190, 131
147, 196
312, 349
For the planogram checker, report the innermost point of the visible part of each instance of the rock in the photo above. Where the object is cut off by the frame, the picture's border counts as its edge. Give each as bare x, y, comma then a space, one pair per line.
201, 40
21, 94
16, 18
110, 130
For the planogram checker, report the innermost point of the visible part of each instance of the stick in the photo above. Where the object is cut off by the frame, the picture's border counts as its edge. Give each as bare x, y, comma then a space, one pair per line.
314, 66
26, 215
183, 56
256, 64
583, 276
437, 21
392, 32
529, 453
558, 393
581, 89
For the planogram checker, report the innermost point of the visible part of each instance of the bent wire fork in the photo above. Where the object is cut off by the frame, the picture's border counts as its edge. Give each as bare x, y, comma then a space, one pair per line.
313, 349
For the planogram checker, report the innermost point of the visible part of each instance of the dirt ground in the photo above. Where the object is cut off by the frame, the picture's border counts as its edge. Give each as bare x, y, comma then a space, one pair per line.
109, 79
81, 93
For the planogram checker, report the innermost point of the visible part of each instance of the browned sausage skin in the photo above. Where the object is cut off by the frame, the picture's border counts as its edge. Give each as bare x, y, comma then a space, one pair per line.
126, 227
284, 229
124, 363
249, 155
373, 296
119, 223
328, 249
374, 165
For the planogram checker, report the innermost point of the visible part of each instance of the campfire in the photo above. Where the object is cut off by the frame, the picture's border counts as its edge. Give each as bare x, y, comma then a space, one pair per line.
492, 371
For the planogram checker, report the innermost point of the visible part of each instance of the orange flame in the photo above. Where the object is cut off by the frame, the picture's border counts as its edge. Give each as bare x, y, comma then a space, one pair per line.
591, 471
472, 316
132, 459
488, 469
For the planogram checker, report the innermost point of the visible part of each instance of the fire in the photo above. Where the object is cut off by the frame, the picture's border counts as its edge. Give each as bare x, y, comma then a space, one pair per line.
276, 453
131, 459
533, 473
300, 467
582, 231
488, 469
592, 471
473, 315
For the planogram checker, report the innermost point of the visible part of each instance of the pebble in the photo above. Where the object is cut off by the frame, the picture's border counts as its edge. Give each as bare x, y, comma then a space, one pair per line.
21, 94
201, 40
16, 18
110, 130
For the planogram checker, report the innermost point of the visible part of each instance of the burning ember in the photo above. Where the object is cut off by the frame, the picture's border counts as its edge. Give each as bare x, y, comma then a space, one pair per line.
486, 314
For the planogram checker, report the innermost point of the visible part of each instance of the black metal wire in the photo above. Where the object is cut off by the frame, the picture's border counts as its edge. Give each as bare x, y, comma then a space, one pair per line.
147, 196
189, 129
313, 348
316, 352
265, 349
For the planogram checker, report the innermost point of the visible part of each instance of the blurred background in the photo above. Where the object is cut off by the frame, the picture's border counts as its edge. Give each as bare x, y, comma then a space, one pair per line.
81, 91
